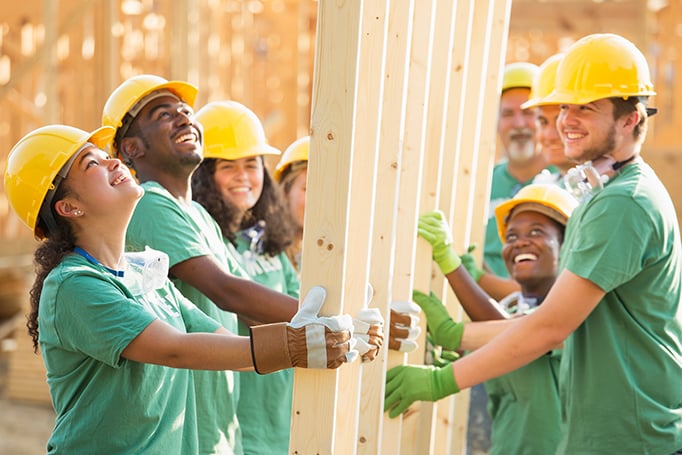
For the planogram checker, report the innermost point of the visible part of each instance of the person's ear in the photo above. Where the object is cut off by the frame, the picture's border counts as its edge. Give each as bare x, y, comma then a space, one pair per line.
67, 209
632, 120
131, 147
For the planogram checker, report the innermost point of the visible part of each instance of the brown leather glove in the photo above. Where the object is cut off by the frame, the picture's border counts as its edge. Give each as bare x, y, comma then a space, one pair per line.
368, 333
404, 326
308, 341
278, 346
368, 329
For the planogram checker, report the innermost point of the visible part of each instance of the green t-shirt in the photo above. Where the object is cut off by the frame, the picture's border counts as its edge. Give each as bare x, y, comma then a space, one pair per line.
162, 223
265, 403
104, 403
621, 373
524, 405
502, 188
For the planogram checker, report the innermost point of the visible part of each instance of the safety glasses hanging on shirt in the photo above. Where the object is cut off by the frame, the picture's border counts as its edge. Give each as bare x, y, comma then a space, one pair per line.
589, 178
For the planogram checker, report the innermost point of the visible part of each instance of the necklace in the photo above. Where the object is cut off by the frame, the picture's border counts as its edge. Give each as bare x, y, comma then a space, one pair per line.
88, 256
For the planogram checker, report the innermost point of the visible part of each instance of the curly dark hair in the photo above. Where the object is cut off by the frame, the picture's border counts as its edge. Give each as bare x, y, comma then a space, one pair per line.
58, 243
270, 208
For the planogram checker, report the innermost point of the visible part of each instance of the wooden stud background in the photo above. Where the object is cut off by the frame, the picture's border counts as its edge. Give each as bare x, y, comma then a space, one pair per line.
375, 76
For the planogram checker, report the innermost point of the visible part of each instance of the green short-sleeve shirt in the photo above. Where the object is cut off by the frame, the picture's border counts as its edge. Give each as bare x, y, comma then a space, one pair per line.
621, 374
162, 223
264, 409
104, 403
524, 403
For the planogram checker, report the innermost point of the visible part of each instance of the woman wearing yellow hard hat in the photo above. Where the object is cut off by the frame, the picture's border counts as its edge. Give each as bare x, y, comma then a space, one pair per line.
525, 402
291, 173
109, 324
236, 188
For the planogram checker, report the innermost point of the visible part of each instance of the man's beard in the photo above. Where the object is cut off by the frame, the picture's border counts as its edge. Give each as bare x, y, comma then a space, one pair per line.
521, 150
605, 148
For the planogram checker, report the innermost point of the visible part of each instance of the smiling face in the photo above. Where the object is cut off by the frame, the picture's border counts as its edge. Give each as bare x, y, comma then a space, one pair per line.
531, 251
240, 181
99, 188
589, 131
296, 198
548, 136
168, 135
516, 126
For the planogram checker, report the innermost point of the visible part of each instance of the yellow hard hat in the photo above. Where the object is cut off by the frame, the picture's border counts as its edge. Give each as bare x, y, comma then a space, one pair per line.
128, 99
548, 199
518, 75
232, 131
39, 162
297, 151
543, 84
602, 65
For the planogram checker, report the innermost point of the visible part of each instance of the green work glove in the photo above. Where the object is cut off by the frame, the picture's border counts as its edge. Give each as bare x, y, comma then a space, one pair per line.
406, 384
469, 263
433, 228
437, 355
444, 331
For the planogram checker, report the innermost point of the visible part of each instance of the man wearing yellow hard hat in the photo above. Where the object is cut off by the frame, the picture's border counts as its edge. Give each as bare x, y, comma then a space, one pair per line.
521, 157
158, 135
617, 303
546, 115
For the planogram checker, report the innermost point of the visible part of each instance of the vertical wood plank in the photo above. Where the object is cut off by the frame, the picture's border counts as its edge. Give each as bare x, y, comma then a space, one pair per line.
450, 17
316, 394
475, 151
390, 134
372, 54
417, 426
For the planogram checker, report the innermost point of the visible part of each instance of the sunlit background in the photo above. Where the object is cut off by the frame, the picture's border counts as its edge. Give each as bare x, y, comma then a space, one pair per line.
59, 60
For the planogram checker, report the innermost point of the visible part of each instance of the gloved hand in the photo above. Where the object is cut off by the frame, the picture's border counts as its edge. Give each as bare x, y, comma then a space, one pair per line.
308, 341
444, 330
433, 228
406, 384
469, 263
404, 328
438, 356
368, 329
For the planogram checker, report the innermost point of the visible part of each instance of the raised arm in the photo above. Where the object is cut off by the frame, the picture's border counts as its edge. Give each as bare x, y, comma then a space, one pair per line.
512, 344
309, 341
569, 302
478, 305
162, 344
237, 295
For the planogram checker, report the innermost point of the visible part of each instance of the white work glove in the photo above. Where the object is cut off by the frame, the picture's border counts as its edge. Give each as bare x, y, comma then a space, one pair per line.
308, 341
404, 328
368, 329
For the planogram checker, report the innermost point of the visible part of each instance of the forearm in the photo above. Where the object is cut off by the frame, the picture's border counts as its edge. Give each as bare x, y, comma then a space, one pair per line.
207, 351
162, 344
499, 357
477, 304
237, 295
256, 302
478, 334
498, 350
